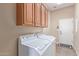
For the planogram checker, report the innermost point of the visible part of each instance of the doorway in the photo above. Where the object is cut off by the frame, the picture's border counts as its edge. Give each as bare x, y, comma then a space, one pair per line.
66, 31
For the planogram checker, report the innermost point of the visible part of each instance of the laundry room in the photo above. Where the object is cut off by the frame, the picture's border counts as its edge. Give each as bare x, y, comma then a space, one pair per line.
39, 29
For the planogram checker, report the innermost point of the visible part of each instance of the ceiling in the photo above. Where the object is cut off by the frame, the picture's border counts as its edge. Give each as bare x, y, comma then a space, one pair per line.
55, 6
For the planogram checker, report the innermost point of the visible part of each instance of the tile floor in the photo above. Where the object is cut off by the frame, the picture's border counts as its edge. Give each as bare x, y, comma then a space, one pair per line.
63, 51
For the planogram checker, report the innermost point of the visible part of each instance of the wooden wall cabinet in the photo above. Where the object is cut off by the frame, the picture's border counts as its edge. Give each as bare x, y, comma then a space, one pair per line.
43, 19
19, 14
46, 18
25, 14
30, 14
38, 15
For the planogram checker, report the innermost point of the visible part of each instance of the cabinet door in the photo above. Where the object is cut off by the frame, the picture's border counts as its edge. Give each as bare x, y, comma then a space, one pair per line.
46, 17
43, 20
28, 14
19, 14
37, 15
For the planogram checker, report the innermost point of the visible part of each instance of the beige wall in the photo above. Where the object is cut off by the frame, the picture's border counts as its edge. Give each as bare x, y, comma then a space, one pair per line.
9, 30
76, 41
63, 13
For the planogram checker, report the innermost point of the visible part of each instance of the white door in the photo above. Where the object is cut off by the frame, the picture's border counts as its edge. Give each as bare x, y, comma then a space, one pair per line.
66, 31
